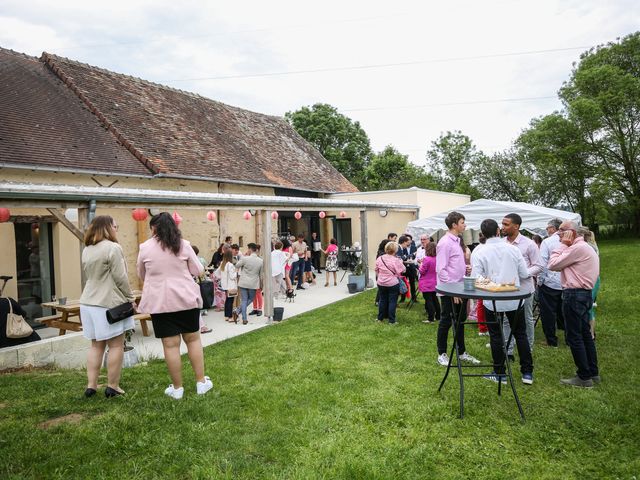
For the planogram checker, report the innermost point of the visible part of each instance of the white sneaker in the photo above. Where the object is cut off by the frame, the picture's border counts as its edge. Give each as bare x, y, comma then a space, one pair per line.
483, 334
175, 393
443, 359
204, 387
465, 357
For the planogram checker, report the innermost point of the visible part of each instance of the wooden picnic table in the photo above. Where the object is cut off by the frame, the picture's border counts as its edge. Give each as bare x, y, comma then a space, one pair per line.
65, 316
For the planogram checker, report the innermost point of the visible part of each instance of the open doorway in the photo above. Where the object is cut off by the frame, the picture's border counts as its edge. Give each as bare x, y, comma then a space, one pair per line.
34, 265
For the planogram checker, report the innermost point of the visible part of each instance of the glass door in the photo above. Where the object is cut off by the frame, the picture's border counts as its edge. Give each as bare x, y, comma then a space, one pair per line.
34, 265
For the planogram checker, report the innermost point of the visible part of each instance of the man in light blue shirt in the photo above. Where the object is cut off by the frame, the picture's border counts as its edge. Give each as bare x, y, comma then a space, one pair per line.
503, 263
549, 287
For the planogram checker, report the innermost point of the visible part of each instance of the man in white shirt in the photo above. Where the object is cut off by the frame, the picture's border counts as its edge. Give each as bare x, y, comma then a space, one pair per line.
420, 252
549, 287
511, 230
503, 263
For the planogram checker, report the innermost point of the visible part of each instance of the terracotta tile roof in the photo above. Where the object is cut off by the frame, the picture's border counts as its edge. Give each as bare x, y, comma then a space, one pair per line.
44, 124
178, 133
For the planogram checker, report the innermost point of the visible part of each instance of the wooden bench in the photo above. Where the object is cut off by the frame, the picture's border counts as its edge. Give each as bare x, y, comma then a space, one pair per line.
55, 321
143, 318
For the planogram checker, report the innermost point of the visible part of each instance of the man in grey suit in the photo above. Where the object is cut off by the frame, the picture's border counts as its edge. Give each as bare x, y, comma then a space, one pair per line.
250, 268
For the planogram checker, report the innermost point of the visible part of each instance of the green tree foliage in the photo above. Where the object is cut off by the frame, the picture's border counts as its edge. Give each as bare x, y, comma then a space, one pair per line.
602, 98
450, 160
340, 140
561, 162
390, 169
503, 176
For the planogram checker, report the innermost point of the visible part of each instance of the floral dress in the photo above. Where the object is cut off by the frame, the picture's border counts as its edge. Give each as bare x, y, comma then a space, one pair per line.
332, 258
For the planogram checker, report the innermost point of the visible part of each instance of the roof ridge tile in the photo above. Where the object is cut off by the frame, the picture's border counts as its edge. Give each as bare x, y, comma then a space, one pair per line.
49, 61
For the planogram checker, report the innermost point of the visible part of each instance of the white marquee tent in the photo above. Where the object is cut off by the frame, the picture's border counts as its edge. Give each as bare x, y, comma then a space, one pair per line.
534, 217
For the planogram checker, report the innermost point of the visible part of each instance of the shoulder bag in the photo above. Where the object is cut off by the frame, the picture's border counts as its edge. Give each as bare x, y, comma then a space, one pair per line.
232, 292
119, 313
17, 326
402, 286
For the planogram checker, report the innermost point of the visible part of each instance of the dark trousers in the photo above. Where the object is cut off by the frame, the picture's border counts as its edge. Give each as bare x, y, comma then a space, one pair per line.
431, 305
449, 309
315, 260
519, 333
388, 302
576, 303
412, 276
297, 268
228, 306
550, 304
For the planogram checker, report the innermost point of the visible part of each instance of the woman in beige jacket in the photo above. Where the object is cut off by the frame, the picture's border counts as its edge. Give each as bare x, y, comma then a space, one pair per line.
107, 286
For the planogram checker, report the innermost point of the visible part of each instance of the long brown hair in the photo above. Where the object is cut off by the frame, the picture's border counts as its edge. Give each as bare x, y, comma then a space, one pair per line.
227, 257
167, 232
100, 228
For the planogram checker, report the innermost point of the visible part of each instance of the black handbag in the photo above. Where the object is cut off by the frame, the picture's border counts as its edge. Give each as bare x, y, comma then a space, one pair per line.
119, 313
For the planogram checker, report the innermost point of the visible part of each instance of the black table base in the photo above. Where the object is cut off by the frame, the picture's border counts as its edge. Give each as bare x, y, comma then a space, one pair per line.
457, 290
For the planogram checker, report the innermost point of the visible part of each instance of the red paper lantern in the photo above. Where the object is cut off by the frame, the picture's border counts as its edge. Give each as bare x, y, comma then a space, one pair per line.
343, 214
5, 215
274, 215
211, 216
247, 215
176, 218
298, 215
139, 214
322, 214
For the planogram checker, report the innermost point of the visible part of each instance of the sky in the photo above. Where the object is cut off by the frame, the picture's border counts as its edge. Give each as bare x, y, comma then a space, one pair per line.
407, 71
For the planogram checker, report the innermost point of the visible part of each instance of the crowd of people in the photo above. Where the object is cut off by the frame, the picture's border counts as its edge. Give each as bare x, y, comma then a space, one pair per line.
561, 274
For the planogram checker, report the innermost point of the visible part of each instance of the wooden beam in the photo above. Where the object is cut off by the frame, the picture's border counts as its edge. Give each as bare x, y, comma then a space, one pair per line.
364, 245
267, 282
59, 214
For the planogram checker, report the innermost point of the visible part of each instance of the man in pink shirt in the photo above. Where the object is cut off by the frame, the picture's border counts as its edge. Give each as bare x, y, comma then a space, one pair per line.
450, 268
579, 268
511, 230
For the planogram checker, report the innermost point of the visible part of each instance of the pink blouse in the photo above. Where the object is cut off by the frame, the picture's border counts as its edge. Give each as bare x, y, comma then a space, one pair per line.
388, 268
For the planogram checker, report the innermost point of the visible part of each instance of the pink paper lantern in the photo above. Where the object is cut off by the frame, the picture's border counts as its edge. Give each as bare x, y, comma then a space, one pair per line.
5, 215
343, 214
140, 214
274, 215
322, 214
176, 218
298, 215
211, 216
247, 215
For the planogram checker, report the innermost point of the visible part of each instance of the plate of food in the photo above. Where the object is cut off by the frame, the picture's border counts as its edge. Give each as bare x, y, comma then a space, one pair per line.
491, 286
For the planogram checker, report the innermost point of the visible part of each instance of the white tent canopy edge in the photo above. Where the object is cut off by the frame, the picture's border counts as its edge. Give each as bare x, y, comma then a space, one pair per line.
534, 217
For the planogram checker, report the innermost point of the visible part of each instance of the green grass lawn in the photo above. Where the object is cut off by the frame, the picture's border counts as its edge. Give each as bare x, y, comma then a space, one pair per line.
334, 394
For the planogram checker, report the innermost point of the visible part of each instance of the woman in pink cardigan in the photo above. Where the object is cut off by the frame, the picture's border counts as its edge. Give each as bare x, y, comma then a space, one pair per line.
427, 283
167, 265
388, 269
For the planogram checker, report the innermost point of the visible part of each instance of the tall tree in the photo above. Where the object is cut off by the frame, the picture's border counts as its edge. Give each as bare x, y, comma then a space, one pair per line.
561, 163
449, 160
339, 139
602, 97
391, 169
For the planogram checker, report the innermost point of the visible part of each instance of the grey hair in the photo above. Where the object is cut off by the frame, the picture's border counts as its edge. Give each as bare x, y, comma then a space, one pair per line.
573, 225
555, 223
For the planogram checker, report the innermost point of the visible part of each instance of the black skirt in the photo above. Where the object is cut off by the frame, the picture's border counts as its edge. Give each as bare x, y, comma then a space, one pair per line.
175, 323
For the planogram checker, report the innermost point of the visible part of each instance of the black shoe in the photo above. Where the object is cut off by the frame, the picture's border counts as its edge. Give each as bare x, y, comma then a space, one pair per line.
299, 288
111, 392
259, 313
89, 392
253, 312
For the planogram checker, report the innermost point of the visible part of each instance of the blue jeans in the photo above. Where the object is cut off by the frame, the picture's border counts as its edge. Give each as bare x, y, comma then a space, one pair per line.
388, 302
246, 297
576, 303
297, 267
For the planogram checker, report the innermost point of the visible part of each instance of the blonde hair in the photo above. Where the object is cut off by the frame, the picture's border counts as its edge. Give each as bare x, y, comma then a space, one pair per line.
391, 248
101, 228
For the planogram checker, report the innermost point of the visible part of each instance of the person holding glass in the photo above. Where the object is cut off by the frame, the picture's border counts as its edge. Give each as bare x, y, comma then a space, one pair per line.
167, 265
107, 286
